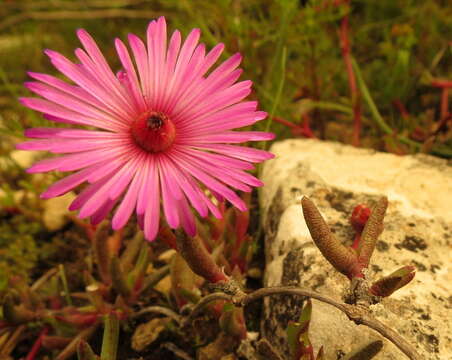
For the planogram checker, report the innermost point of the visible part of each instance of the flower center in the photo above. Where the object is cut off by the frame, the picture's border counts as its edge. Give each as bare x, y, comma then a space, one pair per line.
153, 131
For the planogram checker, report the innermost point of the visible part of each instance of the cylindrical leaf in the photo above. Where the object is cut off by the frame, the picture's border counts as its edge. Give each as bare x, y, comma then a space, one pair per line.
388, 284
372, 229
110, 339
198, 258
342, 258
84, 351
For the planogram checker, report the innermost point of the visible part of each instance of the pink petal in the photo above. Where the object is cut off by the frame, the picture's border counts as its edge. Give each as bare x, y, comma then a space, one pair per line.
230, 137
129, 68
103, 71
140, 55
41, 132
211, 183
66, 184
150, 177
86, 194
103, 211
64, 114
76, 91
239, 152
187, 218
85, 80
190, 189
72, 103
127, 205
169, 201
152, 214
76, 161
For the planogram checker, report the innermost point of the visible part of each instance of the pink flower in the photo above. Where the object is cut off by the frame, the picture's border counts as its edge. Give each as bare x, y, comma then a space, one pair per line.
163, 130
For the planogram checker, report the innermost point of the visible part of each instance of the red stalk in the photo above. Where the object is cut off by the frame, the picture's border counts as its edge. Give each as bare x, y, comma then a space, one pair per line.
37, 345
402, 109
444, 103
442, 83
355, 98
298, 130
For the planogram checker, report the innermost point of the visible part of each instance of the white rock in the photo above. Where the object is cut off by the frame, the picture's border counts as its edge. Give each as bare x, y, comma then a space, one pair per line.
417, 232
55, 211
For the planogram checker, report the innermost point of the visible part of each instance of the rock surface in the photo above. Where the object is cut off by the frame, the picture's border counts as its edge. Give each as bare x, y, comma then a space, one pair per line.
417, 232
56, 211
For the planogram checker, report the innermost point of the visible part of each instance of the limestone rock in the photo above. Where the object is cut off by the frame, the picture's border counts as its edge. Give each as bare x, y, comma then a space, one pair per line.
24, 158
56, 210
417, 232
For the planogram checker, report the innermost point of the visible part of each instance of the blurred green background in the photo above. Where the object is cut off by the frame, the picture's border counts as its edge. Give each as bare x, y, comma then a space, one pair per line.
294, 51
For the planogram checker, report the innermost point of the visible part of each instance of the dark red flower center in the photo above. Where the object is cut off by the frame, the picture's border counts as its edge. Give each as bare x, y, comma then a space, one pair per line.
153, 131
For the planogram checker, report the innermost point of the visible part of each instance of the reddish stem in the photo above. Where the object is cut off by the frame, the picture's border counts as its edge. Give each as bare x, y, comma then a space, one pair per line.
442, 83
89, 229
306, 129
37, 345
346, 54
444, 103
356, 241
297, 130
402, 109
285, 122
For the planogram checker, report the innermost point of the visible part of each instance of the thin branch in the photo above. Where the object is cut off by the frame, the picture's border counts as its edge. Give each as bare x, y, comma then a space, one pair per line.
71, 5
90, 14
43, 279
359, 315
204, 302
176, 351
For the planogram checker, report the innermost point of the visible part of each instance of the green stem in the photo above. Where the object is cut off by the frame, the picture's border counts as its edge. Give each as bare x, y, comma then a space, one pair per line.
110, 339
65, 284
370, 102
278, 93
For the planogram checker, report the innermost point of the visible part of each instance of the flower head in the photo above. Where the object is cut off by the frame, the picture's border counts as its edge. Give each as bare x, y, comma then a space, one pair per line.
159, 131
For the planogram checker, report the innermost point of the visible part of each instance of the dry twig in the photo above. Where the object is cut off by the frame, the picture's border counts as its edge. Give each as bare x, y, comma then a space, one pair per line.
66, 14
358, 314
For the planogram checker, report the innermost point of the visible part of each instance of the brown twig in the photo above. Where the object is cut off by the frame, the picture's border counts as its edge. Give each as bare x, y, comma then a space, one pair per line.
70, 4
444, 112
65, 14
176, 351
158, 310
358, 314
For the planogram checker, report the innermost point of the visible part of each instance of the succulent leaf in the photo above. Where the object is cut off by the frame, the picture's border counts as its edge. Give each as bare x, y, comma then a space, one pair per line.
132, 250
232, 321
298, 335
365, 352
110, 338
389, 284
84, 351
371, 232
119, 279
342, 258
198, 258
